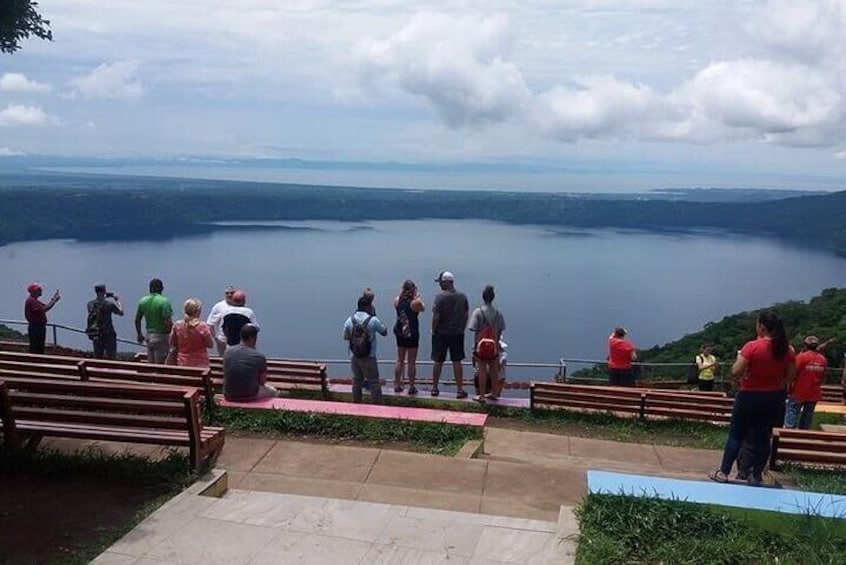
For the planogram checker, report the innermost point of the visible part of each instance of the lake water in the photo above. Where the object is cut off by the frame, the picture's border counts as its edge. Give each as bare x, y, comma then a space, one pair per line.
561, 291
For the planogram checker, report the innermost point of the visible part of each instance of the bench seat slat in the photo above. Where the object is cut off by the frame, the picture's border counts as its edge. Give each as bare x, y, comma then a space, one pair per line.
98, 418
131, 435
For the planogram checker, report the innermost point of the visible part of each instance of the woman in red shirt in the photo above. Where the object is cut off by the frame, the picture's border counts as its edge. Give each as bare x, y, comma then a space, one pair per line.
621, 353
765, 366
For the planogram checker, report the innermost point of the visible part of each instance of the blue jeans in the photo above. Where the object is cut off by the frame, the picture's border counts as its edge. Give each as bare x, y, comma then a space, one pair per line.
793, 410
753, 417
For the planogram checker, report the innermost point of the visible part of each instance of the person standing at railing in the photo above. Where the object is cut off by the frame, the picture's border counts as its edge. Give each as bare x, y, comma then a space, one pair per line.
408, 305
806, 390
449, 318
99, 326
621, 354
707, 365
190, 338
215, 319
157, 312
35, 313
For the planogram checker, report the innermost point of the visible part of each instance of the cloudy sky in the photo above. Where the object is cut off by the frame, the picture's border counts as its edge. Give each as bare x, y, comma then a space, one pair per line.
754, 91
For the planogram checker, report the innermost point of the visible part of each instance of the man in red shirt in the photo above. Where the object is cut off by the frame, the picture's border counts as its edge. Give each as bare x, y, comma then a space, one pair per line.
621, 353
806, 390
35, 313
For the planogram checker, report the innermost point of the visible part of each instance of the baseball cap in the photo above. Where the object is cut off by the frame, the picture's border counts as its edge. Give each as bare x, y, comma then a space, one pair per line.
239, 297
812, 340
445, 276
34, 286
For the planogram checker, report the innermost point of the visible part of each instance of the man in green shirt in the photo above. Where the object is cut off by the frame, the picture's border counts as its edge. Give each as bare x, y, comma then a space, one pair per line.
158, 313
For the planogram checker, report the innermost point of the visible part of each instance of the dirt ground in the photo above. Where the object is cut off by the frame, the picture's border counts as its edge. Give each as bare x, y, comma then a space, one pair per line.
51, 519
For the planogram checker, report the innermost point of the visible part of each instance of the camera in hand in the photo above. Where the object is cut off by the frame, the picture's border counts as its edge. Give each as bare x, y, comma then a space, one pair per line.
110, 295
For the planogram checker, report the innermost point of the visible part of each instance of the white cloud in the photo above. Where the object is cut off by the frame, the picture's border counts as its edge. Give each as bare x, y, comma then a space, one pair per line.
599, 107
8, 152
110, 81
457, 64
18, 82
20, 115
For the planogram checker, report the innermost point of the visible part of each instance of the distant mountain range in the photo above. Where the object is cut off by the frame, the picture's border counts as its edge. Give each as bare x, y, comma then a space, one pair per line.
110, 207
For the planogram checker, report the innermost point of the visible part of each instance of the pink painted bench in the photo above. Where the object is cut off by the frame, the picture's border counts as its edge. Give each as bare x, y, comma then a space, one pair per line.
362, 410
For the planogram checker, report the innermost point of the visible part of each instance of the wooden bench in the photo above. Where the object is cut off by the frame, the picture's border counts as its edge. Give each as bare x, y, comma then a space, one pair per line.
454, 417
644, 403
108, 370
31, 408
832, 393
692, 405
808, 446
281, 373
552, 396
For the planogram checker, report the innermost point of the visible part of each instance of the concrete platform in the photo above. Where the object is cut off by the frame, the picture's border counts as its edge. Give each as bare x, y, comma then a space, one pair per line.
269, 528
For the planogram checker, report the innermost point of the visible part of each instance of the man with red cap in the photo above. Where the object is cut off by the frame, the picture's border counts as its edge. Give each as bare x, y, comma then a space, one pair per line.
35, 313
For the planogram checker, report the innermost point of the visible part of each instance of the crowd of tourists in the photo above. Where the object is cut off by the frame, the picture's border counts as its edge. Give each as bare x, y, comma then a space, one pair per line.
775, 387
232, 329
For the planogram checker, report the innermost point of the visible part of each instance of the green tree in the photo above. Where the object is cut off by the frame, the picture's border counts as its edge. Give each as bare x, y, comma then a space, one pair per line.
19, 20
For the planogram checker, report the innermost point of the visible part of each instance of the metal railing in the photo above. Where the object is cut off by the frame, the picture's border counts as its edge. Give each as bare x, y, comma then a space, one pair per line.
55, 331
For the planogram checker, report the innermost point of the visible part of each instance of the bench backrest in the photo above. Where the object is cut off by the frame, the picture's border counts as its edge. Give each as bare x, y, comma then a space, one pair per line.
282, 373
699, 405
105, 369
832, 393
116, 405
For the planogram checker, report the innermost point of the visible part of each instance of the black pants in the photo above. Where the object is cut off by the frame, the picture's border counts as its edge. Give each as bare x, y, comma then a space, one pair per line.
105, 347
37, 337
752, 420
621, 377
706, 384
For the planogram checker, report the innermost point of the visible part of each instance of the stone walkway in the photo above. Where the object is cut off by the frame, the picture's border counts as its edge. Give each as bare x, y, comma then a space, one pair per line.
269, 528
298, 502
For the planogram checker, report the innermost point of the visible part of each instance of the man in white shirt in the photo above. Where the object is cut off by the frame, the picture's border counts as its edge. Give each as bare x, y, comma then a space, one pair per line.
215, 319
236, 317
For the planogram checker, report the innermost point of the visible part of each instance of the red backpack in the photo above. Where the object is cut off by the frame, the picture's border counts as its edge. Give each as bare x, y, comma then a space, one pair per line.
487, 347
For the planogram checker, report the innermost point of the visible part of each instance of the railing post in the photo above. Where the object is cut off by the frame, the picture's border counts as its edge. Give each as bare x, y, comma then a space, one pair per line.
55, 339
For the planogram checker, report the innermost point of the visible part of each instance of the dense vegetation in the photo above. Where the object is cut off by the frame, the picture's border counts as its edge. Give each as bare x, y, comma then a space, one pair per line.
10, 334
116, 208
823, 316
623, 529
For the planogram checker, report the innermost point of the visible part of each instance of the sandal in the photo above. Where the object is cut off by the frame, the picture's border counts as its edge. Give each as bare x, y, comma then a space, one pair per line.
718, 476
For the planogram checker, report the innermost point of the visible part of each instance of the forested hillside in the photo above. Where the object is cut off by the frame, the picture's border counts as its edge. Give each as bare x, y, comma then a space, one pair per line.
129, 208
823, 316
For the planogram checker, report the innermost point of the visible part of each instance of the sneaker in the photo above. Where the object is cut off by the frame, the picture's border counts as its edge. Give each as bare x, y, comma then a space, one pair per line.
461, 394
412, 390
398, 389
435, 391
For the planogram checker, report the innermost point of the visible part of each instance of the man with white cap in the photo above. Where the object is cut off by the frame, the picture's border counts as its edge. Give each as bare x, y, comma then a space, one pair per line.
35, 313
449, 318
215, 319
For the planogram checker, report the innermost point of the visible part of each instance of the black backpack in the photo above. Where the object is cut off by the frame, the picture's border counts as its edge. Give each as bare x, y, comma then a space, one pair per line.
360, 343
693, 372
403, 326
94, 324
232, 324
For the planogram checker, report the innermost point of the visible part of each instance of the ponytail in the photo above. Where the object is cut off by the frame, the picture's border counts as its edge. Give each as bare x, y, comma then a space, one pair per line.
775, 329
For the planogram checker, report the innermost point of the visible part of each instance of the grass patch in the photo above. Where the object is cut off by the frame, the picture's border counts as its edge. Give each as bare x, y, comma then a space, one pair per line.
429, 437
830, 481
679, 433
134, 487
623, 529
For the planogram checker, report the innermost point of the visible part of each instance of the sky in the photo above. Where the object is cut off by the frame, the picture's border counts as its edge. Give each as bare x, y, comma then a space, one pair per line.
723, 92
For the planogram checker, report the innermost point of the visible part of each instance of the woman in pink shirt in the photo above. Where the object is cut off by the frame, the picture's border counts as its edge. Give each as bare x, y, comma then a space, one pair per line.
191, 338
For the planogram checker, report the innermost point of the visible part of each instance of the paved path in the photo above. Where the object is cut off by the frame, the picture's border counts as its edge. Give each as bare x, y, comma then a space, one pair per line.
261, 527
298, 502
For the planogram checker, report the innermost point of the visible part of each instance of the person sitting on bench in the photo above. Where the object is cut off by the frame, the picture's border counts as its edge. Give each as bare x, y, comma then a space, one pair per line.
245, 369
